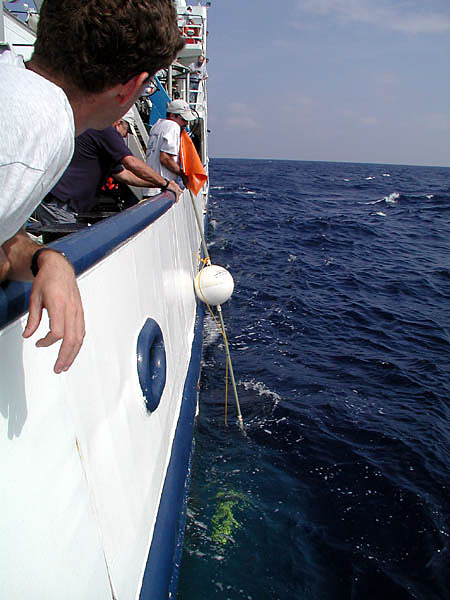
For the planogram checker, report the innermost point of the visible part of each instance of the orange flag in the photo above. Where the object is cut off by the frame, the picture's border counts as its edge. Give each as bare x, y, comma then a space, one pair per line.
191, 164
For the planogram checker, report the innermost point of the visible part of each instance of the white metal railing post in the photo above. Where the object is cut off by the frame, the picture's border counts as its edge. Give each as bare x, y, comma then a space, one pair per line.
2, 25
169, 82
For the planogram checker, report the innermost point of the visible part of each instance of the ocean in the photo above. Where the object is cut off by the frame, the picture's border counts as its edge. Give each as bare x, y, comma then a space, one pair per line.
339, 331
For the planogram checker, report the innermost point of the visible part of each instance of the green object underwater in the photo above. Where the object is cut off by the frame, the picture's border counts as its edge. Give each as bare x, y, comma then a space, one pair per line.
224, 521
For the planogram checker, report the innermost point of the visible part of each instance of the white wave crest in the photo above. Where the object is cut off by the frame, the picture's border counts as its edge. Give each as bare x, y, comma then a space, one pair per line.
373, 202
392, 198
211, 332
260, 388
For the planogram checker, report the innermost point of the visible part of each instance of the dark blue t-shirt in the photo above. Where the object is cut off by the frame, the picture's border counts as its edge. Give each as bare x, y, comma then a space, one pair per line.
97, 155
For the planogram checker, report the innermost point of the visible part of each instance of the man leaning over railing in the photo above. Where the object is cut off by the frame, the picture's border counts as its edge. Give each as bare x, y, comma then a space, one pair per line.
60, 93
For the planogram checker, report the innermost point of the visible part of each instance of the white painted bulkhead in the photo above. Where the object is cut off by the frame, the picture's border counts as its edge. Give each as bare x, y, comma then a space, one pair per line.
18, 34
83, 462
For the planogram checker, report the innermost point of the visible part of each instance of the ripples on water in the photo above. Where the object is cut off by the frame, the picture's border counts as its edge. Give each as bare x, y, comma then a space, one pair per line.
339, 331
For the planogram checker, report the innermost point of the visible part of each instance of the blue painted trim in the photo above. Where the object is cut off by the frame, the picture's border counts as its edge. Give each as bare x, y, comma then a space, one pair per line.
160, 562
151, 363
86, 247
173, 586
163, 562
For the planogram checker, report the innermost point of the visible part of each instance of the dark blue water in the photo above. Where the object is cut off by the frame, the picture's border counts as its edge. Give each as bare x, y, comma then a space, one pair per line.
340, 336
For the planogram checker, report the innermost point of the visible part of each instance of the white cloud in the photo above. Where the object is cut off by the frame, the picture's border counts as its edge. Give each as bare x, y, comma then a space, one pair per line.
241, 122
240, 117
407, 17
237, 107
295, 100
368, 120
387, 79
355, 117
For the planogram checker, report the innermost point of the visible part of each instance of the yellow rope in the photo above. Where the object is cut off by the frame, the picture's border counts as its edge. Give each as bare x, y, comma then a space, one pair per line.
206, 263
226, 392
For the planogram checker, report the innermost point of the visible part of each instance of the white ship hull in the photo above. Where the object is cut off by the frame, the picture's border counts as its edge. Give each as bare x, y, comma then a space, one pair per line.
84, 461
94, 469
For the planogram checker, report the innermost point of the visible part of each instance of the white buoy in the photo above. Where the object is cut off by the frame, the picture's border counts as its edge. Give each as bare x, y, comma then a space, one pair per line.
214, 285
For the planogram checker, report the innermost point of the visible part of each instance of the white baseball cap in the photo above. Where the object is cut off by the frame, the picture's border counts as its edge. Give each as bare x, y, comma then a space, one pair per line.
180, 107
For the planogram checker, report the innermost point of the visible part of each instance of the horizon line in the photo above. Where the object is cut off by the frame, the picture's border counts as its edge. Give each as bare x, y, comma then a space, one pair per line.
331, 161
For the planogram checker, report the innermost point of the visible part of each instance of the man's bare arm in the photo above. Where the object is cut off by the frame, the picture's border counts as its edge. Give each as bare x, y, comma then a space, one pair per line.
19, 251
130, 178
4, 265
55, 289
168, 161
143, 171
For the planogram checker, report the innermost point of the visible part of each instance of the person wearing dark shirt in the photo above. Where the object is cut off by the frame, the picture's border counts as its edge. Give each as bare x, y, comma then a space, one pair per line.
98, 154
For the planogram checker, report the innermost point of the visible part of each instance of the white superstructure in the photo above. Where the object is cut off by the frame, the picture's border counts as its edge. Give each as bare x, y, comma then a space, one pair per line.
17, 33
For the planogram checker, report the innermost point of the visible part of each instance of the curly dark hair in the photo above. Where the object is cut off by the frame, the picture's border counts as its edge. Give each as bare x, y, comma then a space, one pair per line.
96, 44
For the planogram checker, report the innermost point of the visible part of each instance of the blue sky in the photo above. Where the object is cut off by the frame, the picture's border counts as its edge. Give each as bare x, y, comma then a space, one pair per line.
334, 80
337, 80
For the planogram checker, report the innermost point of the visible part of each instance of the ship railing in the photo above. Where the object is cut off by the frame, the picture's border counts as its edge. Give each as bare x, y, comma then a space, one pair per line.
30, 16
199, 95
191, 28
137, 141
18, 31
87, 247
138, 136
176, 81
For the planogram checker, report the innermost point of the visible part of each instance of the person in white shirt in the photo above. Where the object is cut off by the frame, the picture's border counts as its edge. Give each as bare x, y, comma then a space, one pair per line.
163, 149
59, 93
197, 73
